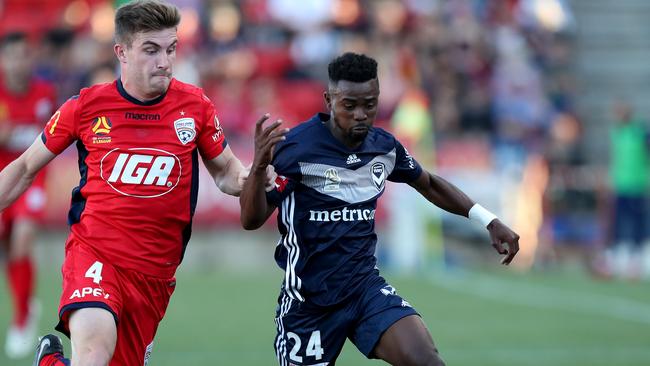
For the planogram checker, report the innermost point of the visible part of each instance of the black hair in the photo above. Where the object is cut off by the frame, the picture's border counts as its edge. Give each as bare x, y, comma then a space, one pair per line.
13, 37
353, 67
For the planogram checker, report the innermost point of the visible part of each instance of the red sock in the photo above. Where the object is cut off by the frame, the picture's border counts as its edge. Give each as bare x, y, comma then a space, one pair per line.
20, 274
54, 360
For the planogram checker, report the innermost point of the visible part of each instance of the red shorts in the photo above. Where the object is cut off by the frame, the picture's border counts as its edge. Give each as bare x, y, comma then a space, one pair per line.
30, 205
137, 302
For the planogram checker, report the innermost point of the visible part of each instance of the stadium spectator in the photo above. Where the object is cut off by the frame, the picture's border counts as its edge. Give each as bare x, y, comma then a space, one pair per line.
139, 140
332, 170
572, 200
25, 105
628, 171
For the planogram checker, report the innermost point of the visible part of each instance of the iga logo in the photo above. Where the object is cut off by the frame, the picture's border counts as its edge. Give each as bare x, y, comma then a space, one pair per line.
141, 172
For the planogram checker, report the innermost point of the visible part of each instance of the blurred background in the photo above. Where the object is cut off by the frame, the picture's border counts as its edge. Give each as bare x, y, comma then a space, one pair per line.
537, 109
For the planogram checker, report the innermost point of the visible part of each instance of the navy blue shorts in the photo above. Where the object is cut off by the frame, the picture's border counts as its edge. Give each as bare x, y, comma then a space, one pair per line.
313, 335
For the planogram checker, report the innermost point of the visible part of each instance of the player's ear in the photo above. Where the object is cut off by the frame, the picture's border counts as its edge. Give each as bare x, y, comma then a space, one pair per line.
119, 52
328, 99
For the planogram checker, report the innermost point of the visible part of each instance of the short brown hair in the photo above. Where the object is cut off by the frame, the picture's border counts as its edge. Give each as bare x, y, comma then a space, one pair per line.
144, 16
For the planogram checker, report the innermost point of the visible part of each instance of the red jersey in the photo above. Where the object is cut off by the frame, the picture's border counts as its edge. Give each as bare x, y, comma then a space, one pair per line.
139, 171
26, 114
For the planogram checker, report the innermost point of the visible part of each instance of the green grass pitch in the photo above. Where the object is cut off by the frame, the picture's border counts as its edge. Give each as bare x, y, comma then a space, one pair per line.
476, 318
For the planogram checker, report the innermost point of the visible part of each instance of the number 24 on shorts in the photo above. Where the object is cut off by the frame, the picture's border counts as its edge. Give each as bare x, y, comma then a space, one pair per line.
313, 346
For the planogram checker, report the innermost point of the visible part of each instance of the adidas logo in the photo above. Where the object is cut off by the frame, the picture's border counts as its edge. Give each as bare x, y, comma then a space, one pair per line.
353, 159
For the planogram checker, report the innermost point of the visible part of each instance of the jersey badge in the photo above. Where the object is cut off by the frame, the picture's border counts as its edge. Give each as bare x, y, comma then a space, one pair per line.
101, 127
378, 172
332, 180
185, 129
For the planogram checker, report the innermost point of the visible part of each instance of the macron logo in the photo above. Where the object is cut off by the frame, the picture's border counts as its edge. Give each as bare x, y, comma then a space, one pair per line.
353, 159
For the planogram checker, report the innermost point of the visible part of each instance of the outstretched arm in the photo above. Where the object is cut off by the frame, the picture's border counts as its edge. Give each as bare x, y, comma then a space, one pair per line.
18, 176
451, 199
227, 171
255, 209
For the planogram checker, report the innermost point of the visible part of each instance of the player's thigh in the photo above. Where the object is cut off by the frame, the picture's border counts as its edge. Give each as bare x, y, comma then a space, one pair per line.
88, 283
148, 298
408, 342
93, 334
378, 307
307, 335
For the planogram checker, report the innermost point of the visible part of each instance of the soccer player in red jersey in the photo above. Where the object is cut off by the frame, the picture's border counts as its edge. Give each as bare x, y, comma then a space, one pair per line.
25, 106
139, 140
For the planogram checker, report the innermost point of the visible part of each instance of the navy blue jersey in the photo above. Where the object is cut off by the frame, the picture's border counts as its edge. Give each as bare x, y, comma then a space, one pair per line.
326, 197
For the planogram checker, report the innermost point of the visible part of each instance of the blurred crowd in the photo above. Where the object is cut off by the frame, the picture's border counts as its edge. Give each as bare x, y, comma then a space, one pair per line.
497, 68
480, 85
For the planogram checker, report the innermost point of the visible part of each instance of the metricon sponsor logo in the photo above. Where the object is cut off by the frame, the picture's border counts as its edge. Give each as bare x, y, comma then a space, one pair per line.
345, 214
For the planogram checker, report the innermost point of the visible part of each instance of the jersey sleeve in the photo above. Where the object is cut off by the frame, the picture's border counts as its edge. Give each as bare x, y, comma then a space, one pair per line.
288, 176
407, 169
211, 140
61, 130
283, 187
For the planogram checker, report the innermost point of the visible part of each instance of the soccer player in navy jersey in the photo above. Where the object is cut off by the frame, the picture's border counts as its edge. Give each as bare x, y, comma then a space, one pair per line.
331, 171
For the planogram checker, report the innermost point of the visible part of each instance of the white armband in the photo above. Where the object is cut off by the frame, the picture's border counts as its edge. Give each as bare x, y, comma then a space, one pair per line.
479, 214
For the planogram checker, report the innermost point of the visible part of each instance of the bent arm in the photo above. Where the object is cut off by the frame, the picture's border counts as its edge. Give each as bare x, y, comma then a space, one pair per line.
227, 171
255, 209
18, 176
443, 194
448, 197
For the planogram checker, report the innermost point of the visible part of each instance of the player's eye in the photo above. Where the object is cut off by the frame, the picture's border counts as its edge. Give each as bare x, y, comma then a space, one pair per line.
171, 50
150, 51
348, 107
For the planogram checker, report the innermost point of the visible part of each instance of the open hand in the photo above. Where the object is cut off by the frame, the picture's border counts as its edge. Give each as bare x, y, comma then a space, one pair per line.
265, 140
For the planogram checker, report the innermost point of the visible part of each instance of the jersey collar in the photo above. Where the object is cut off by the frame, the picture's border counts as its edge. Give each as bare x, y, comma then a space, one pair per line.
127, 96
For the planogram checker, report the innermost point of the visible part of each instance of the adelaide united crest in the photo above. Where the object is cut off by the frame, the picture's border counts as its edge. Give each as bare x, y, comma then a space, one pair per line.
185, 129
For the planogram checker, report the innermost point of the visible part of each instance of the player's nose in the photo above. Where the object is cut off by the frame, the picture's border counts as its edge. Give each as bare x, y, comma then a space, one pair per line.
163, 62
360, 114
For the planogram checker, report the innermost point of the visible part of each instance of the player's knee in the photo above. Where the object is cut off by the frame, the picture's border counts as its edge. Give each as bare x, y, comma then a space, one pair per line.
93, 351
92, 356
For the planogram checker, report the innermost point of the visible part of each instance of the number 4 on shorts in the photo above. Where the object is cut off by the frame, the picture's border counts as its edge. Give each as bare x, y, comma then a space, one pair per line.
95, 272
